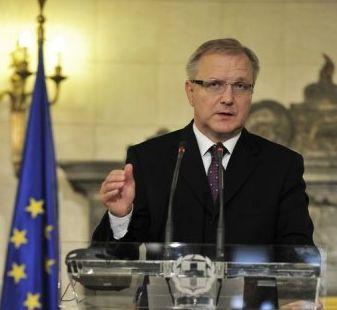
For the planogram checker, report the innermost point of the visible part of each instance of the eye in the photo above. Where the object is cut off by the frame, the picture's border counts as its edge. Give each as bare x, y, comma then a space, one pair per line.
241, 86
213, 85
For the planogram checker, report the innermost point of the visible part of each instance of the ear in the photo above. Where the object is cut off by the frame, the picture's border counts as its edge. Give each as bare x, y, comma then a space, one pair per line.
189, 92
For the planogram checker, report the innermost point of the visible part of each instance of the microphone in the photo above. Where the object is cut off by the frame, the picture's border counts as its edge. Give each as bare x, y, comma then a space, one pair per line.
169, 224
220, 231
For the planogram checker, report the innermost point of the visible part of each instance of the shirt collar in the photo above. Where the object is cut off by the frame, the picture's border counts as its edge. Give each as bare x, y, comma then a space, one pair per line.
205, 143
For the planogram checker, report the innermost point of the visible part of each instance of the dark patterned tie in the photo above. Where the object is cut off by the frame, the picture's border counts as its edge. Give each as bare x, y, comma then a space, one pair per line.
213, 172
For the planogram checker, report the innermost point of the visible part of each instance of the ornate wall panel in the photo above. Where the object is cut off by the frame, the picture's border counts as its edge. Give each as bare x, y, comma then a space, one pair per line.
310, 127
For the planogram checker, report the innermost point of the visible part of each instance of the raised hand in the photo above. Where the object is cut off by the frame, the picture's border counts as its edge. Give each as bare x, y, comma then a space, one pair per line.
118, 191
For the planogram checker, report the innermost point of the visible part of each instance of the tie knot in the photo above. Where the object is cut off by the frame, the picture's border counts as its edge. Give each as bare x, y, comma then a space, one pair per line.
217, 148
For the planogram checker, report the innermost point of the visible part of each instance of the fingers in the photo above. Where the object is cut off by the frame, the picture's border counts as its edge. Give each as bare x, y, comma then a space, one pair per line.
111, 186
110, 195
114, 182
117, 191
115, 176
110, 191
120, 175
128, 171
298, 305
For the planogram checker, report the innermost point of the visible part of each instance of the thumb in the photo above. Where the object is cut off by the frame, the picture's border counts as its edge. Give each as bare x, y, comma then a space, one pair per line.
128, 172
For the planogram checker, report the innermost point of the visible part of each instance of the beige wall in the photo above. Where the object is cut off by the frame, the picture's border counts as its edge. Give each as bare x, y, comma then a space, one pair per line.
125, 61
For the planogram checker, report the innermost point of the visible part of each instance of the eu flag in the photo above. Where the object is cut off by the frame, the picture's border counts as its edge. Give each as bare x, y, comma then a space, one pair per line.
31, 271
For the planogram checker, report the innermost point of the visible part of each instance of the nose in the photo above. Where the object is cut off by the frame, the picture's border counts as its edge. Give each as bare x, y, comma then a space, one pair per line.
227, 95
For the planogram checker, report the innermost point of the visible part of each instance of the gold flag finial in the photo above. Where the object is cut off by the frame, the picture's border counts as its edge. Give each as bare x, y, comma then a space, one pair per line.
42, 3
41, 19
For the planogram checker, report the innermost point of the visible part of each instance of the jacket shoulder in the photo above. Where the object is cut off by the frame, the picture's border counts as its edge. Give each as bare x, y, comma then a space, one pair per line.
271, 147
159, 143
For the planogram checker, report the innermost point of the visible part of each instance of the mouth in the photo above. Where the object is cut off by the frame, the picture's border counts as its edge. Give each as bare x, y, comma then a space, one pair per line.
225, 114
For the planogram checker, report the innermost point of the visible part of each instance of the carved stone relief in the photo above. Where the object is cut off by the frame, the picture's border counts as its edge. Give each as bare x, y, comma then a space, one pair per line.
310, 127
270, 119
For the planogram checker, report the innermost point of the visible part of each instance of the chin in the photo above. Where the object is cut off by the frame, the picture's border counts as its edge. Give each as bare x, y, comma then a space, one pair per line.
224, 131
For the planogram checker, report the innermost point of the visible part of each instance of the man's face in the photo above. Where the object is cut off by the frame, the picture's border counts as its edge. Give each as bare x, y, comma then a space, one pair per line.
221, 115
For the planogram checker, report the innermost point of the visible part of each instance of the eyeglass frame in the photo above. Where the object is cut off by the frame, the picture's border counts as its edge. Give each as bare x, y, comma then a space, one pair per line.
222, 83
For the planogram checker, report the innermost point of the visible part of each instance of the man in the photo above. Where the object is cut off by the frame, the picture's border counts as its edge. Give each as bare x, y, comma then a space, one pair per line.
264, 192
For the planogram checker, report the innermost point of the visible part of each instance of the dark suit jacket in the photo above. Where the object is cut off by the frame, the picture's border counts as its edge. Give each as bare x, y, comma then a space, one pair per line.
264, 194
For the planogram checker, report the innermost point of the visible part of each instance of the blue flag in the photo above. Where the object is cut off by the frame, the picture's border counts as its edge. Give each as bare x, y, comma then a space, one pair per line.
31, 271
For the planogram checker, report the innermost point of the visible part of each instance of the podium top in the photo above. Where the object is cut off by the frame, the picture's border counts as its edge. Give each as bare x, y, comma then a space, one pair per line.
160, 259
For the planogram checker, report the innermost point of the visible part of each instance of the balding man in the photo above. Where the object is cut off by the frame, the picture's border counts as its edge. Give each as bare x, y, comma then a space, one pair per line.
264, 191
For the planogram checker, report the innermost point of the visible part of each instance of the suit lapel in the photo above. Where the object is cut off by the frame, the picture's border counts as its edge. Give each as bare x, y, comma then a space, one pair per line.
192, 169
241, 164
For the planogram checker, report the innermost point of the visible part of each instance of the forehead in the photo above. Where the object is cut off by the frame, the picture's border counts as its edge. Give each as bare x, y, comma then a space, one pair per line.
224, 66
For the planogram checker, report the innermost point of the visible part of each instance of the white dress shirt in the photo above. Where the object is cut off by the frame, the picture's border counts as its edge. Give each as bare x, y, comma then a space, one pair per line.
205, 144
119, 225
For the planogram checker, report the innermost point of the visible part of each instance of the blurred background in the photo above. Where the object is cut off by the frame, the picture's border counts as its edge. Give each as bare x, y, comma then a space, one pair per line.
125, 68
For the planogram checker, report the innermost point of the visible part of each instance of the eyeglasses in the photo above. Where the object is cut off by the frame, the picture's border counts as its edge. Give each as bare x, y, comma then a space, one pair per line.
217, 87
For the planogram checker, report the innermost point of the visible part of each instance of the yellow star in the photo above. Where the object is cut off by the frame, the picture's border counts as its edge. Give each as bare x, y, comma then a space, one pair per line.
17, 272
48, 263
18, 237
32, 301
35, 207
47, 231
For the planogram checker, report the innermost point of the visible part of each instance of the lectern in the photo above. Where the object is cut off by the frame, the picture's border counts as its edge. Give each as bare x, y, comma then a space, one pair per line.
192, 276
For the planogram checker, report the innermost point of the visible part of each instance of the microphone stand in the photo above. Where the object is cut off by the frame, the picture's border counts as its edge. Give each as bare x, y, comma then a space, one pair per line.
169, 221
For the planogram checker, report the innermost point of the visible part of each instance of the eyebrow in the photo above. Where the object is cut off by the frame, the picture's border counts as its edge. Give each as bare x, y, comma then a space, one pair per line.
239, 79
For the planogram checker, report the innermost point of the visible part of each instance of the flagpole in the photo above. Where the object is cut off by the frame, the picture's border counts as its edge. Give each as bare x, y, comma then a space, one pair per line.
31, 275
41, 20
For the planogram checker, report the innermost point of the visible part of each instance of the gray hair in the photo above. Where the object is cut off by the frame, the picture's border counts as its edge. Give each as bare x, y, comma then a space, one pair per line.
221, 46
